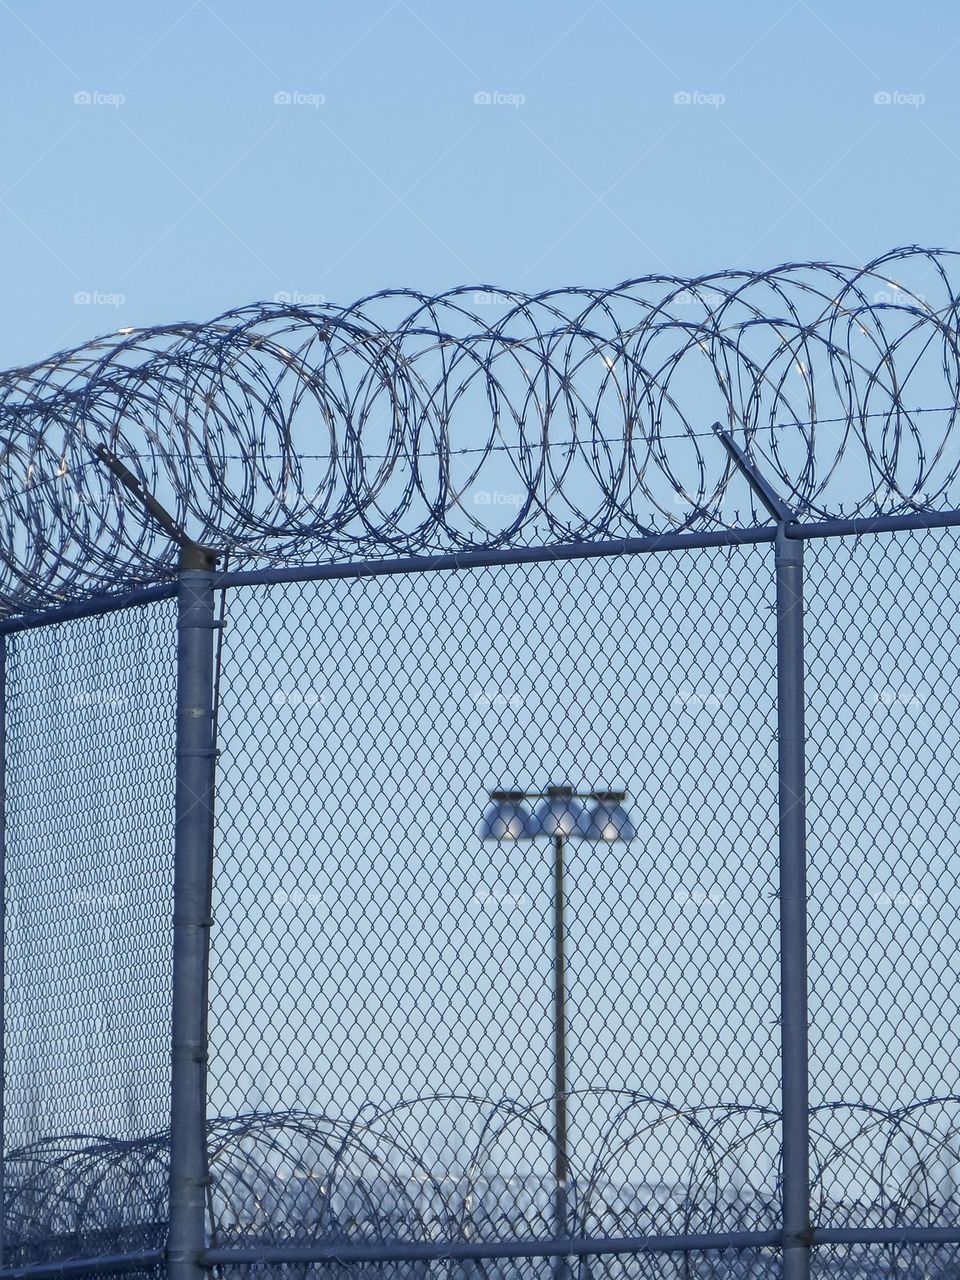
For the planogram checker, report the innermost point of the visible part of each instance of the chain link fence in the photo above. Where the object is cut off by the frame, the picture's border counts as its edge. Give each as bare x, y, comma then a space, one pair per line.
883, 737
382, 1014
392, 971
89, 737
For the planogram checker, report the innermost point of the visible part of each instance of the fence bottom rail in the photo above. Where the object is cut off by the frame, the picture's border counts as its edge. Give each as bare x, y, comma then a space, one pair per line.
478, 1250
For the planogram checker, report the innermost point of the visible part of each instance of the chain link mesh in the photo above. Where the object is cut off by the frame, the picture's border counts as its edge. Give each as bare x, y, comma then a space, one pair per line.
88, 880
381, 999
883, 619
381, 990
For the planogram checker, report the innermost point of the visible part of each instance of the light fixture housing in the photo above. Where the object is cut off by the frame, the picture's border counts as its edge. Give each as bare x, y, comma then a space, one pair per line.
606, 819
506, 818
560, 813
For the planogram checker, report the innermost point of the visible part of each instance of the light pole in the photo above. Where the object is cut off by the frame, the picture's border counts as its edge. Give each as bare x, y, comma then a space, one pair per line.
560, 814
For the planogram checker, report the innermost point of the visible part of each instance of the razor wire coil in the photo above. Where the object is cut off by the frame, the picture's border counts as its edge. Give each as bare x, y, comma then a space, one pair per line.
409, 425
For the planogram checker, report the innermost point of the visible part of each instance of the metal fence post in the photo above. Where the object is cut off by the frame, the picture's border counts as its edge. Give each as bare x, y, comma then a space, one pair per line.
793, 908
792, 816
193, 871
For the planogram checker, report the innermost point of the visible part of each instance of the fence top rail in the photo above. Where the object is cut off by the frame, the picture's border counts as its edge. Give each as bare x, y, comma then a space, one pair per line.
481, 420
66, 611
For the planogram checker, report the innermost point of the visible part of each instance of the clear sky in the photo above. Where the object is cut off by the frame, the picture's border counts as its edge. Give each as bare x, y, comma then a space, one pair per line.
178, 183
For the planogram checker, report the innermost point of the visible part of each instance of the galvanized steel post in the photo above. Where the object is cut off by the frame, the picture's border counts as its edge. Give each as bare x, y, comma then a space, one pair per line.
792, 823
794, 1030
193, 875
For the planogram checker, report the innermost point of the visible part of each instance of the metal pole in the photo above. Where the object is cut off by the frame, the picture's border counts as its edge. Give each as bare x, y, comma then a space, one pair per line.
794, 1045
793, 908
562, 1161
193, 870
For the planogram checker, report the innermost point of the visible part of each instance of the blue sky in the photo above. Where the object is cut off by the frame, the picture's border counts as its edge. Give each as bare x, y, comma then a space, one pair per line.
177, 183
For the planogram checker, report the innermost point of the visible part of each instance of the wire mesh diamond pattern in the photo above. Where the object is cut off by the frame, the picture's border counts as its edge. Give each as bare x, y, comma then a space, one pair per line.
89, 728
380, 967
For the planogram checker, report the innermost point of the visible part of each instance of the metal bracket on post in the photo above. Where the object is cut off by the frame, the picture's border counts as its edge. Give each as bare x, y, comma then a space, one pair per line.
767, 495
192, 881
794, 1028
